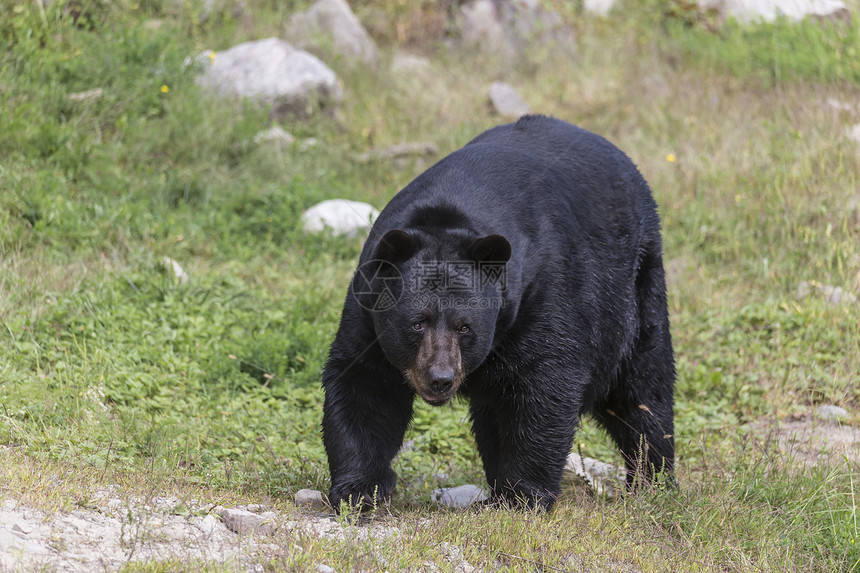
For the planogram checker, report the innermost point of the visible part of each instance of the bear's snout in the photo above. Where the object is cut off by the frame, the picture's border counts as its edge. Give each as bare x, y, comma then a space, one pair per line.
437, 371
441, 379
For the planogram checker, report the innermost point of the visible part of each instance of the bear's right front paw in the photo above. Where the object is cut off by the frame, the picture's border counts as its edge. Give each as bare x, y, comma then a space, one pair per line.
364, 497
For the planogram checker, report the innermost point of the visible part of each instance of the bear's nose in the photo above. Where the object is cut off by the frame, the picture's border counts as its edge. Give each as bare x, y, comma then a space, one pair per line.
441, 379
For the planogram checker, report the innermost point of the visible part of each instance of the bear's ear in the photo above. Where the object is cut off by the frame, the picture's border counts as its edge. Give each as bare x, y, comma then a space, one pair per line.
492, 249
395, 246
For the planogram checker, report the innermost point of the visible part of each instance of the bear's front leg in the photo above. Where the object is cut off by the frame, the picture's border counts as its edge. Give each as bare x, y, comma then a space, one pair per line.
524, 446
365, 416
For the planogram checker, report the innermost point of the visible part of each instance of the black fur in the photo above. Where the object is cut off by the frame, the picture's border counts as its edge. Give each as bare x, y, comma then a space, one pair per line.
579, 326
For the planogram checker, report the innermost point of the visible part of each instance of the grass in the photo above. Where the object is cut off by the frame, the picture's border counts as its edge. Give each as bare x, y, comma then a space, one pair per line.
112, 371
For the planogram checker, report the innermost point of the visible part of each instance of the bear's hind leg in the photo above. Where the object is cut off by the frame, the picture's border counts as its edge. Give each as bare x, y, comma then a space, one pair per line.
638, 412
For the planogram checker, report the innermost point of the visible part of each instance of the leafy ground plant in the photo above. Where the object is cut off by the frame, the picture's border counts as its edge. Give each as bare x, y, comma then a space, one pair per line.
113, 372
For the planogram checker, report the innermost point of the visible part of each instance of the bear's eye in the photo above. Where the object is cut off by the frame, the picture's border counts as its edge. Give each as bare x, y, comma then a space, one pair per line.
418, 326
464, 329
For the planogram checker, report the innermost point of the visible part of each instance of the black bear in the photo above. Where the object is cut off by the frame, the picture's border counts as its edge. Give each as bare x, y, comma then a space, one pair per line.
524, 273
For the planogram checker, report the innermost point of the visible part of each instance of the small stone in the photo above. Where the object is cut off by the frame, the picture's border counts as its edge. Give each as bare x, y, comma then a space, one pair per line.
308, 143
89, 95
506, 101
244, 522
839, 105
177, 270
831, 412
208, 524
324, 569
398, 151
311, 499
853, 132
410, 64
603, 478
275, 134
341, 216
599, 7
459, 497
832, 294
454, 555
10, 504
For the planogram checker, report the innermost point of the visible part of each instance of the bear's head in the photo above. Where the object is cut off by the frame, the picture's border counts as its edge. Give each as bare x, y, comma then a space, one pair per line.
434, 305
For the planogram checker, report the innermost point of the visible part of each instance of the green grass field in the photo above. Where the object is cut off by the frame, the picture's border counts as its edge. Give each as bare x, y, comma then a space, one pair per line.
111, 366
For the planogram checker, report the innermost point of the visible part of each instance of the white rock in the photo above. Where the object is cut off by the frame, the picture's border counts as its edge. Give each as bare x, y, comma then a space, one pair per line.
208, 525
840, 105
89, 95
22, 529
324, 569
244, 522
831, 412
12, 543
460, 496
341, 216
602, 477
454, 555
599, 7
853, 132
834, 295
481, 25
403, 63
506, 101
177, 270
331, 22
769, 10
272, 72
276, 134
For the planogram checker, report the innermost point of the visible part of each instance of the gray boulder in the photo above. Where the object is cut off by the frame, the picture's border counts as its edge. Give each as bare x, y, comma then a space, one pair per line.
331, 24
769, 10
274, 73
460, 496
507, 28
